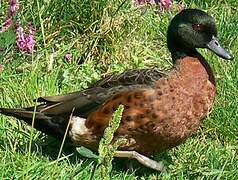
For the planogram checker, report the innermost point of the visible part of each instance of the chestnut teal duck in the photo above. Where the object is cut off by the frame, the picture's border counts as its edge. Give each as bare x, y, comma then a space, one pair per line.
161, 109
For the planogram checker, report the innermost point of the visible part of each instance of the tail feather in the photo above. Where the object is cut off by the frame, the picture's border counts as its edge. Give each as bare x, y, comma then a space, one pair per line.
54, 126
23, 114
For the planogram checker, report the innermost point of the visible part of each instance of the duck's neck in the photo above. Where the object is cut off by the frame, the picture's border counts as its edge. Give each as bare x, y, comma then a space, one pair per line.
177, 50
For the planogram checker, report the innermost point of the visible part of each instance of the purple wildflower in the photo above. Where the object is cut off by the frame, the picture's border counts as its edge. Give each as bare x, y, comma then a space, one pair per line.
6, 25
14, 6
25, 42
144, 2
68, 57
165, 4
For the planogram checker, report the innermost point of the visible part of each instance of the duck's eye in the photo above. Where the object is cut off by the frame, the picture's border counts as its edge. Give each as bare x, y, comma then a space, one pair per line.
198, 27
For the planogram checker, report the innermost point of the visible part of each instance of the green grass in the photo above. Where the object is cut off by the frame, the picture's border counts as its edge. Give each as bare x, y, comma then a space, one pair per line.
110, 37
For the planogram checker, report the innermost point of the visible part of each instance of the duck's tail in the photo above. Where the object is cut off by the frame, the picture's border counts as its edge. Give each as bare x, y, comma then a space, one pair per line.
54, 126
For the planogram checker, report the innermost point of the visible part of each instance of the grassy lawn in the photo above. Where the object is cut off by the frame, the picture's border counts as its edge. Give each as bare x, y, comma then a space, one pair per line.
110, 36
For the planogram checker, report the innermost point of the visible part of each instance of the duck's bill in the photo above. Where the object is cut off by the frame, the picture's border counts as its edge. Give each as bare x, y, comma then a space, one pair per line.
215, 47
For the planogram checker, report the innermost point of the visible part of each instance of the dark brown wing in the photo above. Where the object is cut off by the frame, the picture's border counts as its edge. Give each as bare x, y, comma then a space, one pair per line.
90, 99
131, 77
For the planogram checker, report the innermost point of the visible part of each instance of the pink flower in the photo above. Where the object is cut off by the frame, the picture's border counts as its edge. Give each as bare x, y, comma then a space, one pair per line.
144, 2
25, 42
6, 25
68, 57
14, 6
165, 4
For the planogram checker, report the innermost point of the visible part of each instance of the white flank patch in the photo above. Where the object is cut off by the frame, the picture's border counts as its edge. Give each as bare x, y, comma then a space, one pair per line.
78, 126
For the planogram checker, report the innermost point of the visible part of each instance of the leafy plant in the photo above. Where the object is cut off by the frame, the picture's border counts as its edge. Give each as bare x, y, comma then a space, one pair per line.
107, 147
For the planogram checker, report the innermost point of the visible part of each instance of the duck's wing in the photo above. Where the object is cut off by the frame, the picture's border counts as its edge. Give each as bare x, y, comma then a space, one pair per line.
131, 77
85, 102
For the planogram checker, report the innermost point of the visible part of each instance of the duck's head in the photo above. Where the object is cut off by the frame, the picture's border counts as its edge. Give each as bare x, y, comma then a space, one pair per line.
191, 29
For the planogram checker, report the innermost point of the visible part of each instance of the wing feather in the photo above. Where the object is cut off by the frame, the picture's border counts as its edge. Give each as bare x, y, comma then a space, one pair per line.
90, 99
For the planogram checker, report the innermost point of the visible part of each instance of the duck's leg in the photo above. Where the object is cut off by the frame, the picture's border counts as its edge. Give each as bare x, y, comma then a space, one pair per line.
142, 159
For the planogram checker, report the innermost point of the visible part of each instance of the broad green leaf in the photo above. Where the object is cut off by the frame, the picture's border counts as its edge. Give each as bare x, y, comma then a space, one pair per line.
7, 38
87, 153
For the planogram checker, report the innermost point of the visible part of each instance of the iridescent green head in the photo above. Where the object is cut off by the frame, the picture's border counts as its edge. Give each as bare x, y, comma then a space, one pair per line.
191, 29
